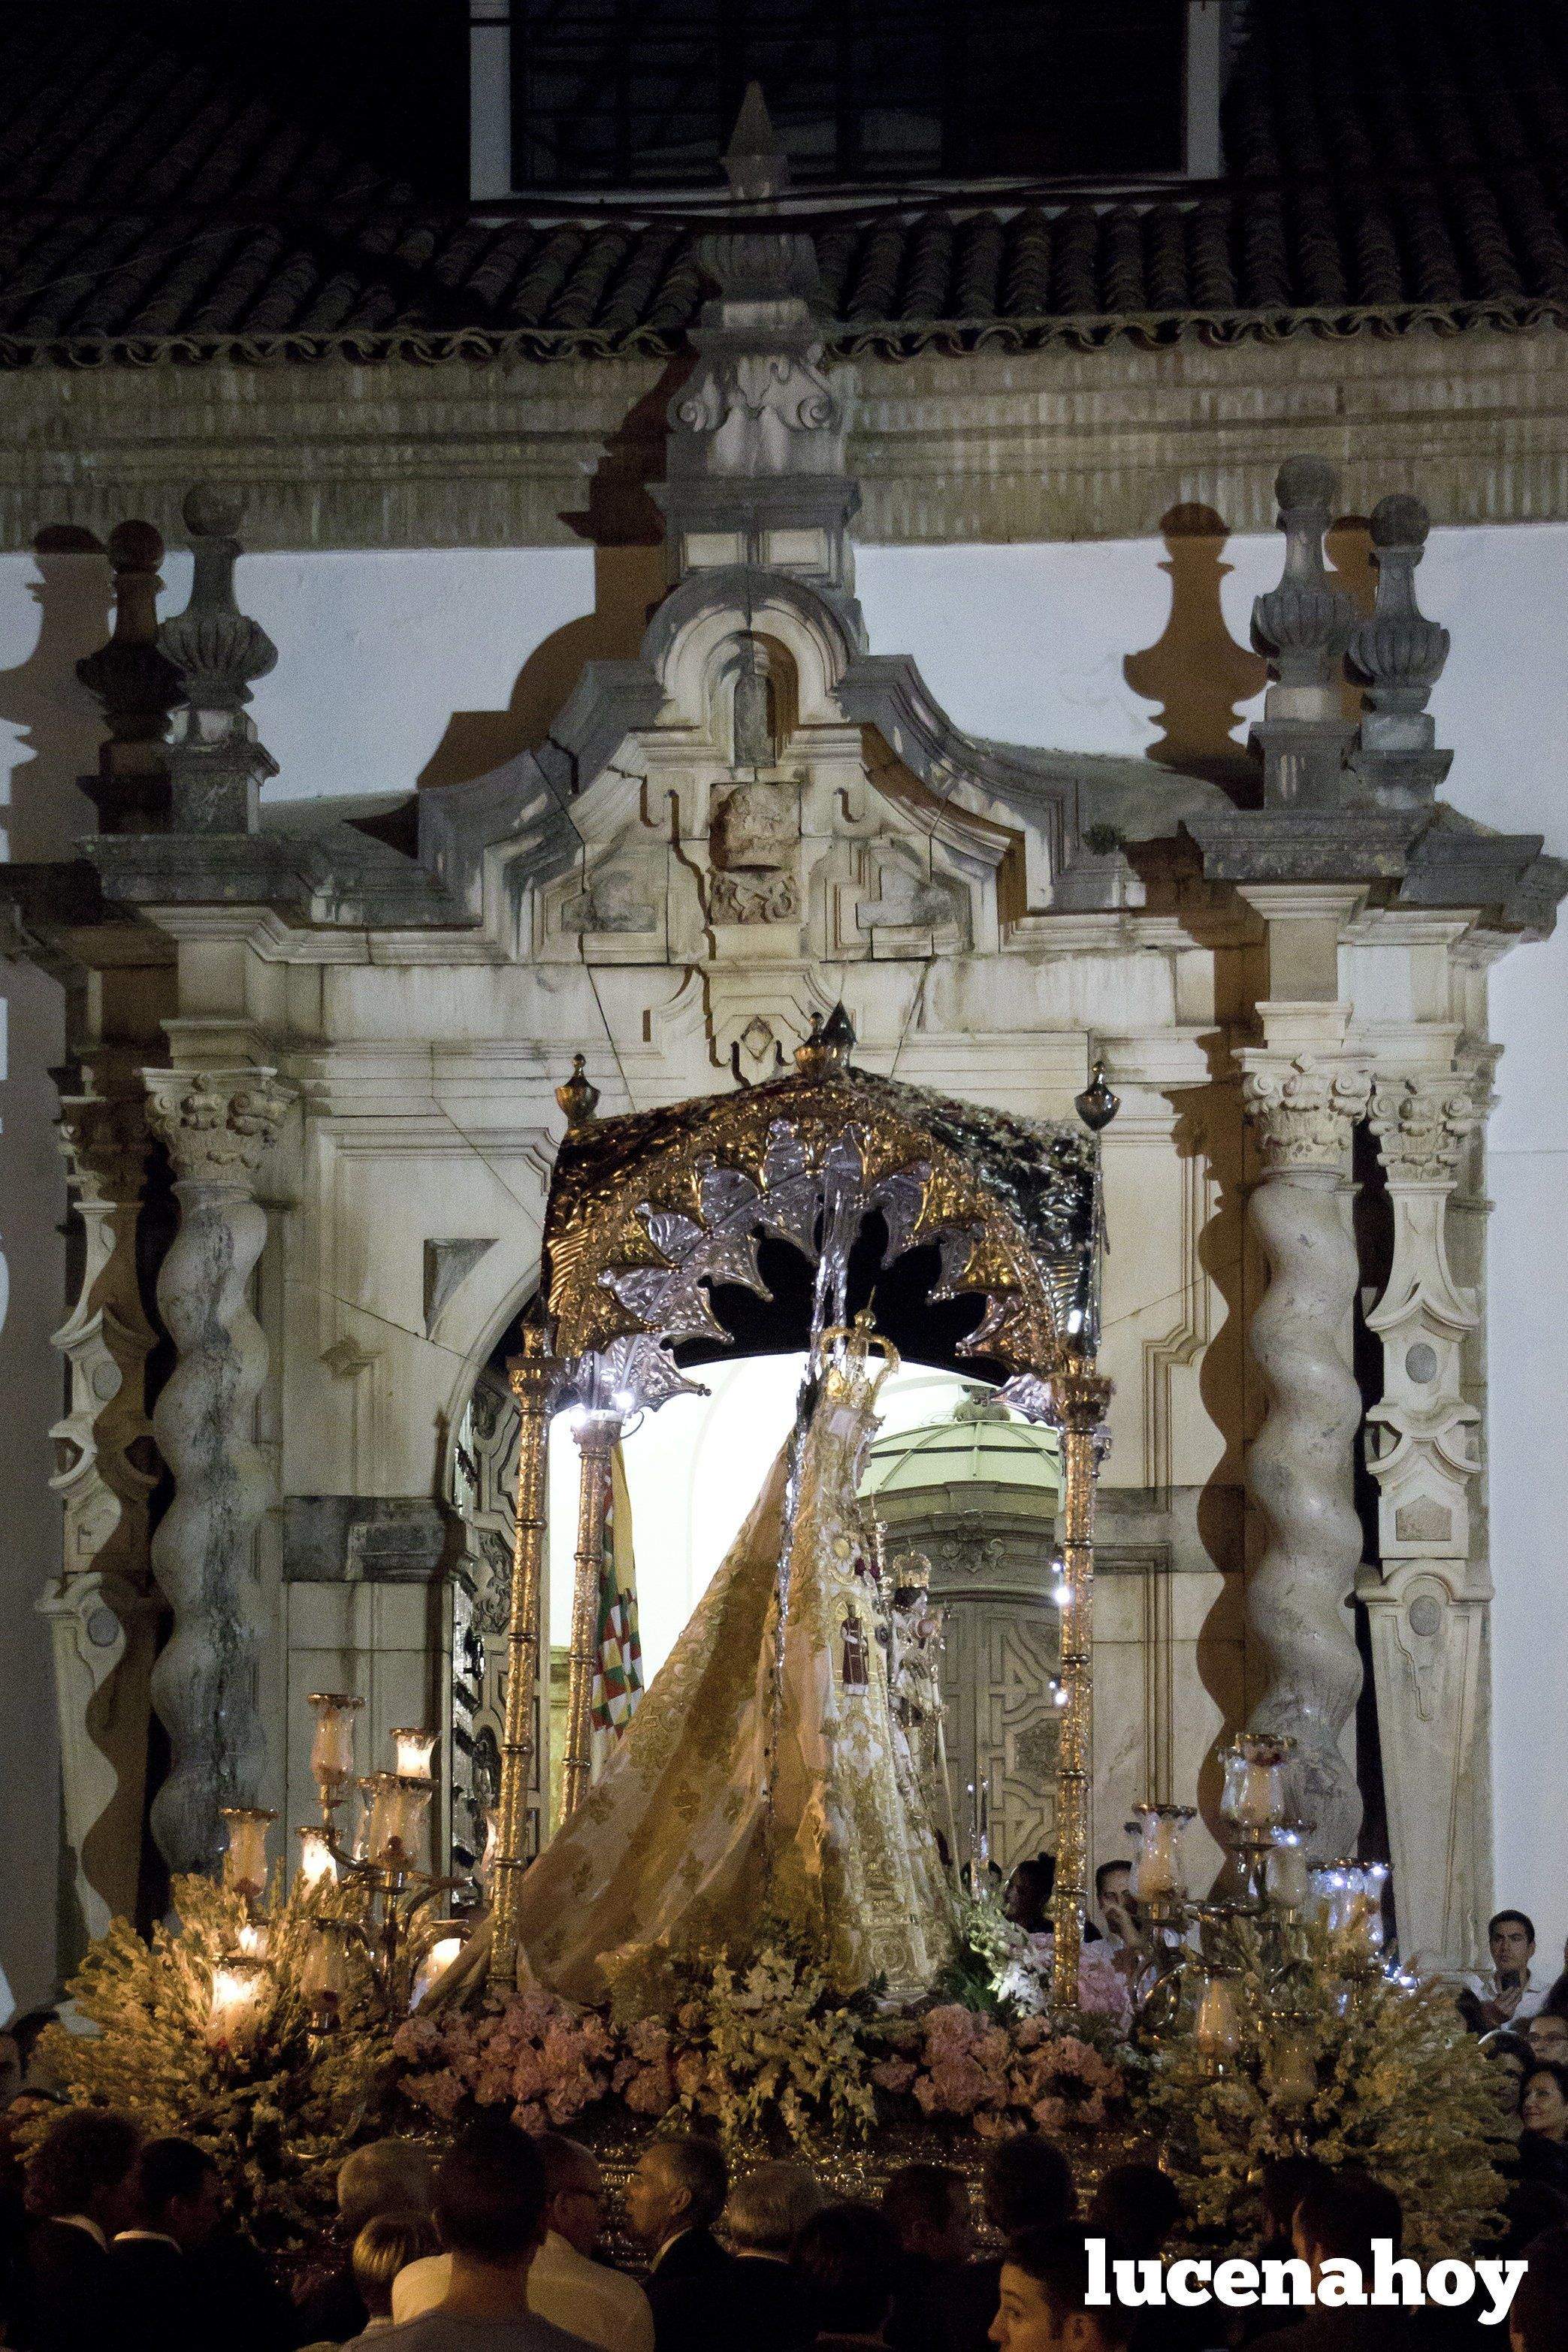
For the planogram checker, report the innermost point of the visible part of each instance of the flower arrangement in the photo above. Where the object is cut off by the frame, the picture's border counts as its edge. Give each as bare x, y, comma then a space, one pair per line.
274, 2102
542, 2059
1369, 2069
959, 2064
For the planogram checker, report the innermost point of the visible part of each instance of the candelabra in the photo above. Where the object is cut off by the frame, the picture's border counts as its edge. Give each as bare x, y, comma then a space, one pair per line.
1274, 1902
371, 1895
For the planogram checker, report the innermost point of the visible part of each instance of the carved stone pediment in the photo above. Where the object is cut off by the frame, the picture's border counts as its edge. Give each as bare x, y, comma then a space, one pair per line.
756, 827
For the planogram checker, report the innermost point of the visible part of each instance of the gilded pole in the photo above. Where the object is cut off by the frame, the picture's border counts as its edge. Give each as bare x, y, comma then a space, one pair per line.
596, 1435
532, 1376
1082, 1396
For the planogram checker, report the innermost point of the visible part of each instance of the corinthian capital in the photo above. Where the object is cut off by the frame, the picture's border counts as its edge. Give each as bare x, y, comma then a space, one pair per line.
103, 1141
216, 1123
1421, 1125
1304, 1109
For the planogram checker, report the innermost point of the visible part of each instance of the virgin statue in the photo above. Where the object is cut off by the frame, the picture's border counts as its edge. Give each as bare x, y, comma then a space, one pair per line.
766, 1787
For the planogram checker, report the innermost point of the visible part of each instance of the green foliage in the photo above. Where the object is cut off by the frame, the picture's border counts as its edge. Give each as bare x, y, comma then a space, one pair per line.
278, 2112
1401, 2088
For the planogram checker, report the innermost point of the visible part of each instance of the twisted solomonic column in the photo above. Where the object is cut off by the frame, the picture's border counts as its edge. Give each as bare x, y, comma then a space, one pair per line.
1299, 1466
216, 1124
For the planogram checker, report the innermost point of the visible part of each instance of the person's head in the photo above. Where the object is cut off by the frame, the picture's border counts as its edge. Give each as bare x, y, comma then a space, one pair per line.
1543, 2101
1043, 2302
847, 2257
1285, 2181
1538, 2319
1025, 2183
1113, 1894
489, 2198
1138, 2205
928, 2206
1547, 2035
86, 2164
574, 2190
769, 2208
22, 2035
1511, 2057
1339, 2216
387, 2176
1529, 2208
1511, 1935
1025, 1899
385, 2246
180, 2191
676, 2184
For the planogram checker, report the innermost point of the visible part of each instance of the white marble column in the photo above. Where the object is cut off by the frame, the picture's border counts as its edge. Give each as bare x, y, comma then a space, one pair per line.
217, 1125
1427, 1597
102, 1613
1299, 1466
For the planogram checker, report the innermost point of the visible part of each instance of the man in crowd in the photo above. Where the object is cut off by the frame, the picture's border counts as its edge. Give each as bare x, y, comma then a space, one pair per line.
490, 2199
385, 2176
943, 2300
1118, 1904
1538, 2321
1508, 1997
1547, 2035
81, 2182
847, 2256
675, 2196
766, 2214
1044, 2301
179, 2206
1026, 2184
565, 2285
1339, 2216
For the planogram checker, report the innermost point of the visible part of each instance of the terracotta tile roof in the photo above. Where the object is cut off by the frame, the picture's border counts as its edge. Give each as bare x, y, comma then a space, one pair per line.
1393, 162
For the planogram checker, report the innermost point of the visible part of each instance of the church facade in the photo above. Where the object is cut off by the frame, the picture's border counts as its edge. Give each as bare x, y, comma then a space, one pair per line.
312, 1046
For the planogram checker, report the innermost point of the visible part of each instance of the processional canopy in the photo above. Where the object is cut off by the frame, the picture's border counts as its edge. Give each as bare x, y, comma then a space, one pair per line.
648, 1210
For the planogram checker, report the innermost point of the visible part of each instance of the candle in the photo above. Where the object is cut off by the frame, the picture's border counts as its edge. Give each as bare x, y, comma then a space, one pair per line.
1219, 2029
332, 1749
1292, 2073
436, 1962
238, 1984
412, 1751
245, 1862
251, 1941
316, 1862
1286, 1879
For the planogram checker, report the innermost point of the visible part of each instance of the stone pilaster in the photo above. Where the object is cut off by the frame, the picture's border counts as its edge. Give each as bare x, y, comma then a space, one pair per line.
102, 1611
1299, 1466
217, 1125
1427, 1599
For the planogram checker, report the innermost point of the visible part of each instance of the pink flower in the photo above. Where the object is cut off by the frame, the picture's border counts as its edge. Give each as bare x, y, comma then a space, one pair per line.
691, 2073
441, 2092
651, 2092
892, 2073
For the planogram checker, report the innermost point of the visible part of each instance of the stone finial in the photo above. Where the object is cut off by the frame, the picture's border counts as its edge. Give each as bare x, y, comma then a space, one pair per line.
754, 163
1399, 654
578, 1096
755, 474
1303, 627
217, 765
138, 688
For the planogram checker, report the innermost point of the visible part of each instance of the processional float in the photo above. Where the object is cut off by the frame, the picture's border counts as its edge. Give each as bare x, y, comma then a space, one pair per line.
647, 1212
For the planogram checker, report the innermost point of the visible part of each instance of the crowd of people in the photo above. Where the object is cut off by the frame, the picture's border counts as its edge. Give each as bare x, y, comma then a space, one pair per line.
499, 2246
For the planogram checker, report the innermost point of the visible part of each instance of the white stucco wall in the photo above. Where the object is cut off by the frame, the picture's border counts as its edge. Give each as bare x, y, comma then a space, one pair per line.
380, 654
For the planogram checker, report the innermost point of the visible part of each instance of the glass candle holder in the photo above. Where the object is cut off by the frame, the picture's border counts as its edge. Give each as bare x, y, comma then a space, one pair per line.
1287, 1877
437, 1958
239, 1983
317, 1864
244, 1860
1364, 1921
382, 1830
1159, 1869
324, 1972
1218, 2030
1252, 1798
413, 1817
412, 1754
1332, 1893
332, 1748
1292, 2074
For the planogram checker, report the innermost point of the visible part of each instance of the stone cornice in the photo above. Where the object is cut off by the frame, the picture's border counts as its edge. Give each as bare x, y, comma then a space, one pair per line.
985, 445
